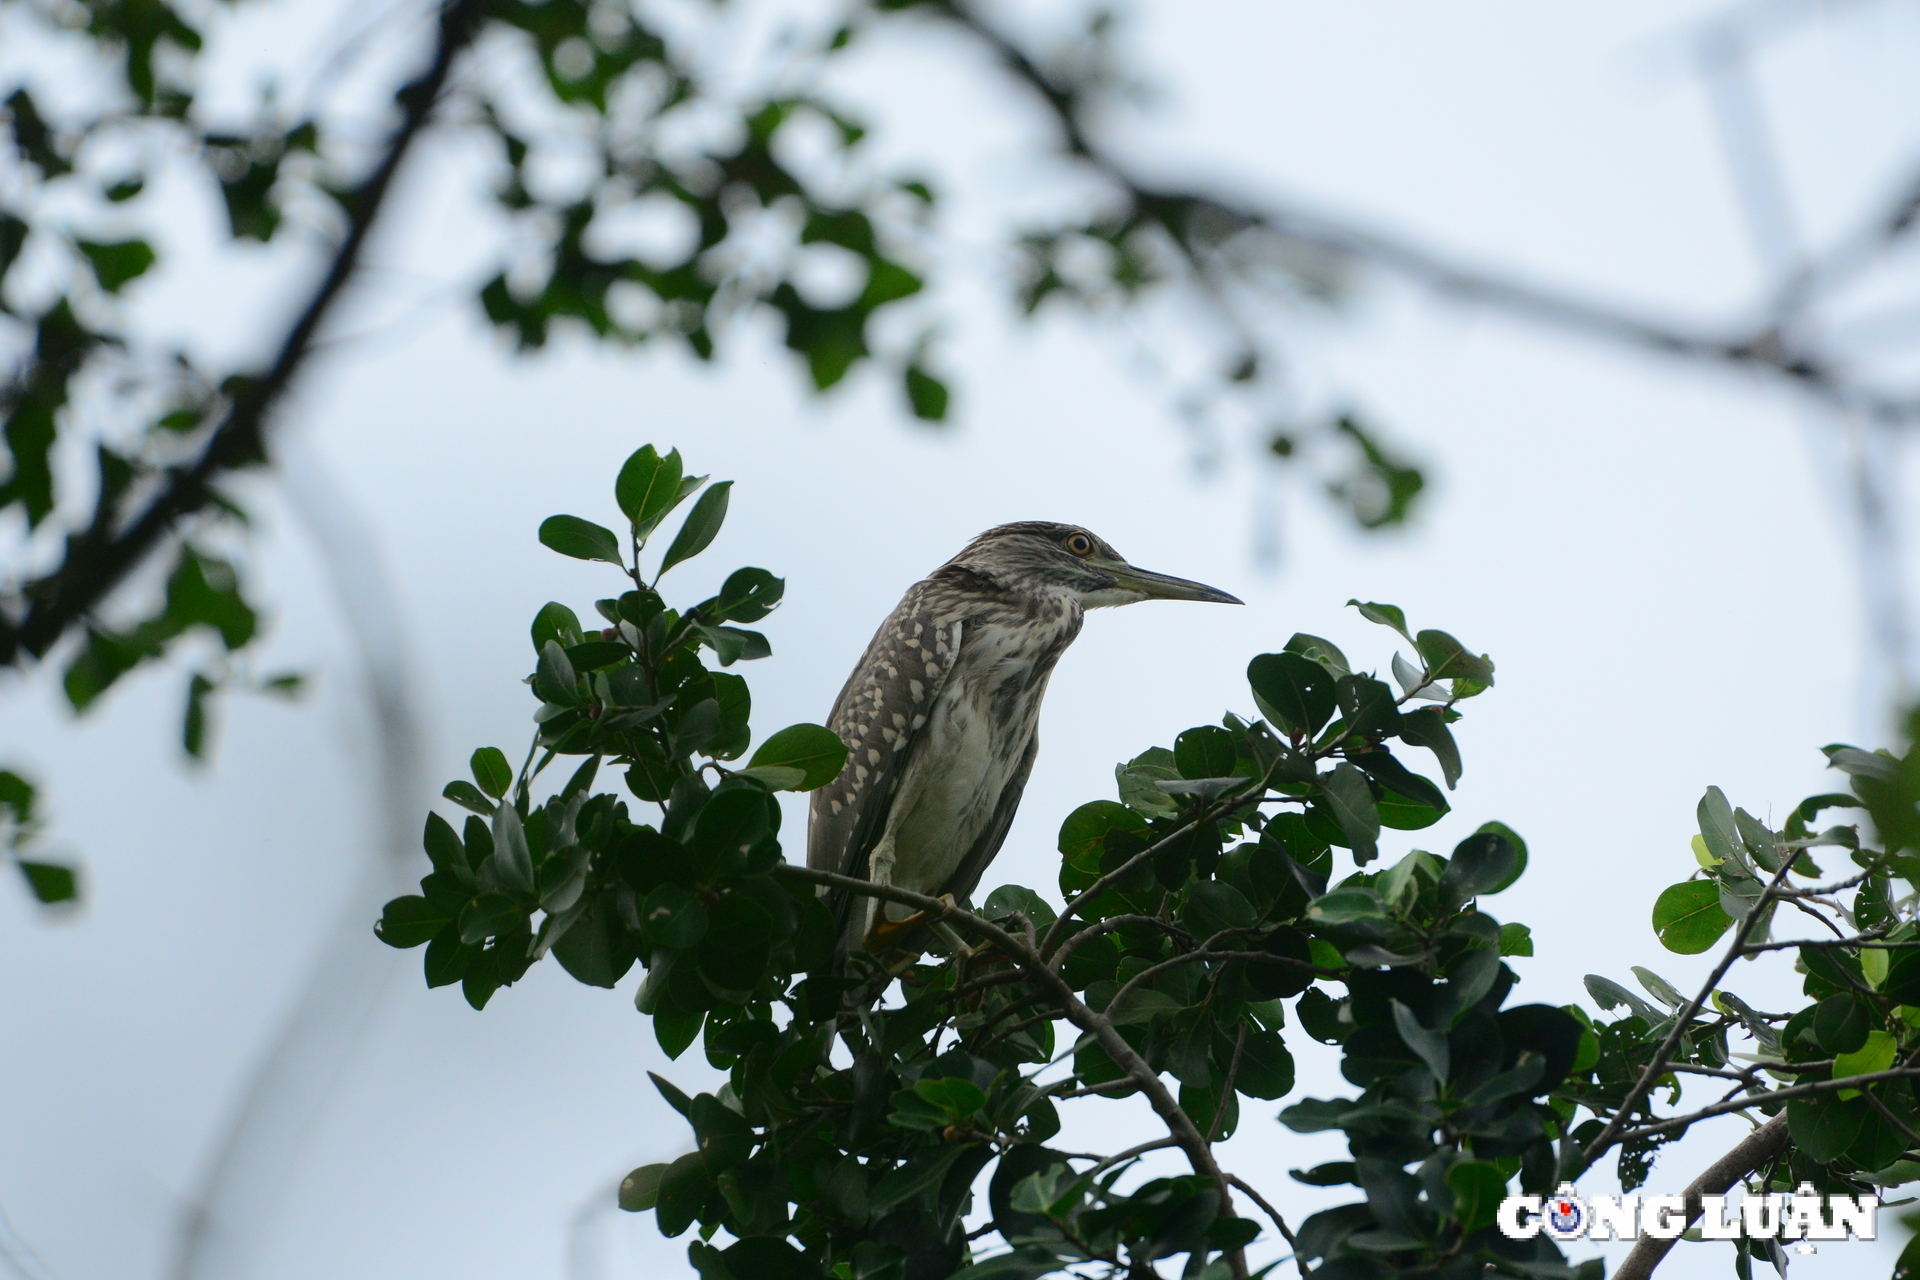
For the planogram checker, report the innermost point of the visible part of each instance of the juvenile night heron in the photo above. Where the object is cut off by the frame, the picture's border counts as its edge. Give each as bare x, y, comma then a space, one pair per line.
939, 716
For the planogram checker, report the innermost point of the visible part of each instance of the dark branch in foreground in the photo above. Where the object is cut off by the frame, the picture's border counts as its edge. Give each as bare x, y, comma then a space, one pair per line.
96, 564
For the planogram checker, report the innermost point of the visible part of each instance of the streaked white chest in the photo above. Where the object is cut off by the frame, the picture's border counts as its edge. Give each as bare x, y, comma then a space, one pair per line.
976, 734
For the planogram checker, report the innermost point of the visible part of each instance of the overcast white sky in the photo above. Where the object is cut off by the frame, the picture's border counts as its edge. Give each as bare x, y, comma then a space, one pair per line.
1643, 548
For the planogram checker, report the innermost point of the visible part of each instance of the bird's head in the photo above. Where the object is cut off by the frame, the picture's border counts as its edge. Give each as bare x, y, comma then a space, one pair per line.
1036, 557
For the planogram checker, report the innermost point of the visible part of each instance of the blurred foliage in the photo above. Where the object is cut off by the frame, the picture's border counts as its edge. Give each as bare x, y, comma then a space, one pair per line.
139, 493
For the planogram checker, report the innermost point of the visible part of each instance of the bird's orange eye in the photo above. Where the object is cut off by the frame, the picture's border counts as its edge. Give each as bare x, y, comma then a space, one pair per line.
1080, 544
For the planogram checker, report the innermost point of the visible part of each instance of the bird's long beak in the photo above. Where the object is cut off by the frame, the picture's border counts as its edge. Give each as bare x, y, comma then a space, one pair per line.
1161, 586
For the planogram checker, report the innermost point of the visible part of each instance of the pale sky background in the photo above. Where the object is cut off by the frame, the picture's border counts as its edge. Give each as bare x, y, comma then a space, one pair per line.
1645, 550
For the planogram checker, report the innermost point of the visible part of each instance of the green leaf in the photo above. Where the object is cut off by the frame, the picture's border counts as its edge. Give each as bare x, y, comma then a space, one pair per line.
1266, 1068
491, 771
512, 861
50, 882
1429, 1046
193, 734
1213, 907
1483, 863
958, 1098
554, 679
557, 623
1478, 1188
648, 487
1512, 837
701, 526
640, 1190
816, 751
410, 921
1840, 1024
581, 539
749, 595
1387, 615
1824, 1127
1875, 1055
1516, 940
1427, 727
116, 264
732, 644
1381, 766
674, 917
1294, 692
1688, 918
468, 796
1862, 764
1448, 659
926, 395
491, 915
685, 1187
1324, 652
1009, 898
1716, 827
1351, 799
775, 777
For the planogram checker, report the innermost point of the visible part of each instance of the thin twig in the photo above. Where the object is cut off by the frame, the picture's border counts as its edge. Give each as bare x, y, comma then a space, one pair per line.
1768, 1098
1280, 1223
1656, 1066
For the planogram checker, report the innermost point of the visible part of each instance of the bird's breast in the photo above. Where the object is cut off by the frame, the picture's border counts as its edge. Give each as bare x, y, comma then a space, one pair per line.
976, 734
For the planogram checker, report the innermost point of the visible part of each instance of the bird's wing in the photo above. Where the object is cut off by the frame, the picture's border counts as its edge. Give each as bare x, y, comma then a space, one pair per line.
879, 714
967, 875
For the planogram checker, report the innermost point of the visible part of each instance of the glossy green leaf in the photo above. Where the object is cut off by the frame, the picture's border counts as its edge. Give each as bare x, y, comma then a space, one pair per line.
1688, 917
816, 751
1478, 1187
701, 526
581, 539
1448, 659
1294, 693
640, 1190
410, 921
647, 487
468, 796
491, 771
1351, 800
489, 916
558, 623
1387, 615
1427, 727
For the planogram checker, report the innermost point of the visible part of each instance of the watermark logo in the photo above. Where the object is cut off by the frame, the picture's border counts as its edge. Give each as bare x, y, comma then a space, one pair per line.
1804, 1216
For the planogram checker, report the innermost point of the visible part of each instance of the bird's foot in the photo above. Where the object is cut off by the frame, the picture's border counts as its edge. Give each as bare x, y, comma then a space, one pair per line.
887, 935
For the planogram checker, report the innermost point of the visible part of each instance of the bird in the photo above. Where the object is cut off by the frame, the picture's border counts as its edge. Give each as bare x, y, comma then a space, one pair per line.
940, 715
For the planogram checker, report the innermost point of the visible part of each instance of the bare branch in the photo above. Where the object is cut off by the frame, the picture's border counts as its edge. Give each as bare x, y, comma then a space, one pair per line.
1758, 1147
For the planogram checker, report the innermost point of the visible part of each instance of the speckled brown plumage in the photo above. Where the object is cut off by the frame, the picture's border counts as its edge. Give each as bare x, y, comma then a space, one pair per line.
940, 715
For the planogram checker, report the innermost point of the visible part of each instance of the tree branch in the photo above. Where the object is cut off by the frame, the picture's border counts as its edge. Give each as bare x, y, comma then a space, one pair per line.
1758, 1147
95, 566
1768, 1098
1180, 1126
1766, 346
1657, 1064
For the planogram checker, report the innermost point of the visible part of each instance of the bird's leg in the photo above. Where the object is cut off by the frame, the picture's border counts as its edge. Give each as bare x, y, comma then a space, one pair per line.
879, 871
